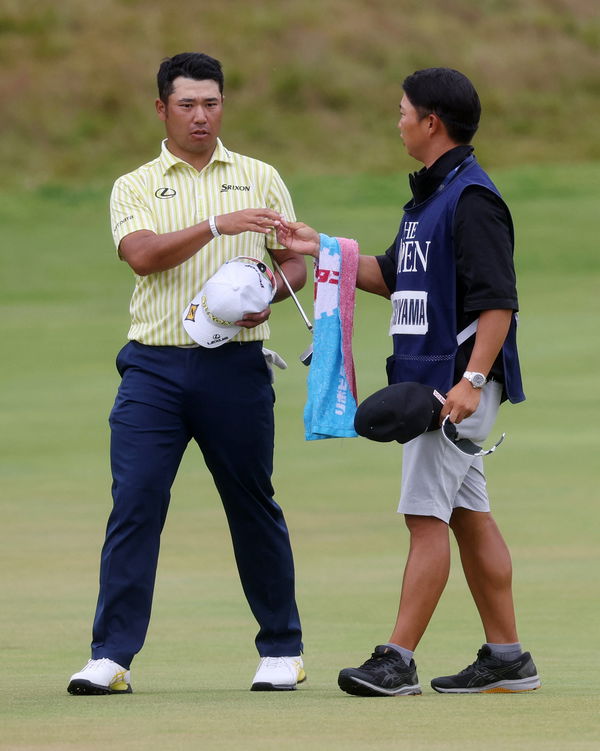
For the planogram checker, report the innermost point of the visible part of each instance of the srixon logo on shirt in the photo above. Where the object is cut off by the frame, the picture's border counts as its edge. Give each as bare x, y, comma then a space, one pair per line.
409, 307
225, 188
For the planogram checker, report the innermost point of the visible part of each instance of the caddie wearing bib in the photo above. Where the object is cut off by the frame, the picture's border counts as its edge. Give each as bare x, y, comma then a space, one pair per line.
195, 224
451, 280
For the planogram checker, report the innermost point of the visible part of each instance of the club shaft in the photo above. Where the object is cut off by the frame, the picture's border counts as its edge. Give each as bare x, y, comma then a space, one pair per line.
293, 294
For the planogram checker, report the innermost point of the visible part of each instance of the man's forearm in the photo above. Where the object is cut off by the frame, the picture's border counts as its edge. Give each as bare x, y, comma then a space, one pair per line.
294, 269
370, 278
491, 332
462, 399
147, 253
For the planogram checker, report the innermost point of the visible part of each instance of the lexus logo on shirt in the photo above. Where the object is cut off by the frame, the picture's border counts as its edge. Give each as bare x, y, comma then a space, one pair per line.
165, 193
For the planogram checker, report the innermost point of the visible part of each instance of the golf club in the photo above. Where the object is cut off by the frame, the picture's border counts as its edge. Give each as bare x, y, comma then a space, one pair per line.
306, 356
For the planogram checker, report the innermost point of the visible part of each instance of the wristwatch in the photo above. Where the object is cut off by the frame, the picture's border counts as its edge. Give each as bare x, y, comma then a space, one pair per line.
477, 380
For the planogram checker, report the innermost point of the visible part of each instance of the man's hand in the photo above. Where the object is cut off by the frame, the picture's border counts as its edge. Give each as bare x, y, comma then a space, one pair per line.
248, 220
462, 400
250, 320
299, 237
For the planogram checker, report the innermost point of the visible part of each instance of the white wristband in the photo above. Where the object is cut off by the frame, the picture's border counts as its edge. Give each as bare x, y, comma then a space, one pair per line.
213, 226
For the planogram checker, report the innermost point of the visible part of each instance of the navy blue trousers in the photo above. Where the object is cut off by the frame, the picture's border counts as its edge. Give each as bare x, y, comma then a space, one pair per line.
223, 399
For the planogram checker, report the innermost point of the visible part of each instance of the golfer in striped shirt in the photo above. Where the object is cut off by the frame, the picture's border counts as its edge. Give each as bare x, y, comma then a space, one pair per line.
176, 220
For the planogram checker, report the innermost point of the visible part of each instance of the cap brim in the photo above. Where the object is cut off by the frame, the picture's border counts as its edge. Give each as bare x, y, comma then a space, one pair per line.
202, 330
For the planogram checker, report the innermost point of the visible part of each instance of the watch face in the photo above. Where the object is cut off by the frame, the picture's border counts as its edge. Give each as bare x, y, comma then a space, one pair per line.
478, 380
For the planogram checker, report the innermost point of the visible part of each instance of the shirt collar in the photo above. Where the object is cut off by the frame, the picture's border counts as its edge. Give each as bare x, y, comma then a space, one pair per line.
169, 160
425, 182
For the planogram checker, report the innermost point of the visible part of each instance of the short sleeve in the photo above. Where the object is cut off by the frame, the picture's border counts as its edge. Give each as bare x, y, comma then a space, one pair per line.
387, 265
128, 211
483, 239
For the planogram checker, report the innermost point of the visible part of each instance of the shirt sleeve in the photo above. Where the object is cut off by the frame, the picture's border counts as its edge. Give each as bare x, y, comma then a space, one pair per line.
128, 210
483, 241
485, 273
279, 199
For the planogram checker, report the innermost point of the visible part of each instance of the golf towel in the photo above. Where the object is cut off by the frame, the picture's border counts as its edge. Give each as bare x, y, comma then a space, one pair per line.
332, 397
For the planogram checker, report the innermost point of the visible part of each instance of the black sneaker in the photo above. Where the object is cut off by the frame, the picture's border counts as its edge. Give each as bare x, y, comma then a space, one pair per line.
489, 675
384, 674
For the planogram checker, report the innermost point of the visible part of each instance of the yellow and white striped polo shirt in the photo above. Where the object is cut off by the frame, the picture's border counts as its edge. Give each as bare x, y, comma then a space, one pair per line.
168, 194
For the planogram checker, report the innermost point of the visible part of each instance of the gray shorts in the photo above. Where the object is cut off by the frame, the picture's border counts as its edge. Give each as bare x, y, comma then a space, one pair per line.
437, 477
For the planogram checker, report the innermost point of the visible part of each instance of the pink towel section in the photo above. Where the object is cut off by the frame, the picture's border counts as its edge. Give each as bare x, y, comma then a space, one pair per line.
349, 271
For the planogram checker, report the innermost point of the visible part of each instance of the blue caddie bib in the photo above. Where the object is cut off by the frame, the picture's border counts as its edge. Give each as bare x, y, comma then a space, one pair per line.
423, 323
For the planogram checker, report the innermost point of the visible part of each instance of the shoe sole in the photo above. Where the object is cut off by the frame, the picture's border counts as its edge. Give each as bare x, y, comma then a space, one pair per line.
357, 687
271, 687
81, 687
501, 687
276, 686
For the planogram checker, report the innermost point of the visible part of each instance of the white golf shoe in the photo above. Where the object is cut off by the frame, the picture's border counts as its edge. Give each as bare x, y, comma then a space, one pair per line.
278, 674
100, 677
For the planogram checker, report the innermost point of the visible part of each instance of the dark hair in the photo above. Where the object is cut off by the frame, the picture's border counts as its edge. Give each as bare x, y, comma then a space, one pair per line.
449, 95
194, 65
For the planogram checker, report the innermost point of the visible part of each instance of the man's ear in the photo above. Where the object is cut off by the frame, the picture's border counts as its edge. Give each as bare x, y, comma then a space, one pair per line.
161, 109
434, 124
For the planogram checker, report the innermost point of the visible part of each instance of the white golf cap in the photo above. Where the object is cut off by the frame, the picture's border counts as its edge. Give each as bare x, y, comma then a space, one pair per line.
242, 285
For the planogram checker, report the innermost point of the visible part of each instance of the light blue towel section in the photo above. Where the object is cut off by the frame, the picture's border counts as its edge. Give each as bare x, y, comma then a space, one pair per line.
330, 406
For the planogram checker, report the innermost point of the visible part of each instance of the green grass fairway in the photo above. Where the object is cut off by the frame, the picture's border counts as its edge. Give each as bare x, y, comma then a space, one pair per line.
64, 310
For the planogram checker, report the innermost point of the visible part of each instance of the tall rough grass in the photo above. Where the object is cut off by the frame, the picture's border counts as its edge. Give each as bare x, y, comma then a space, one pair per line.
310, 87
